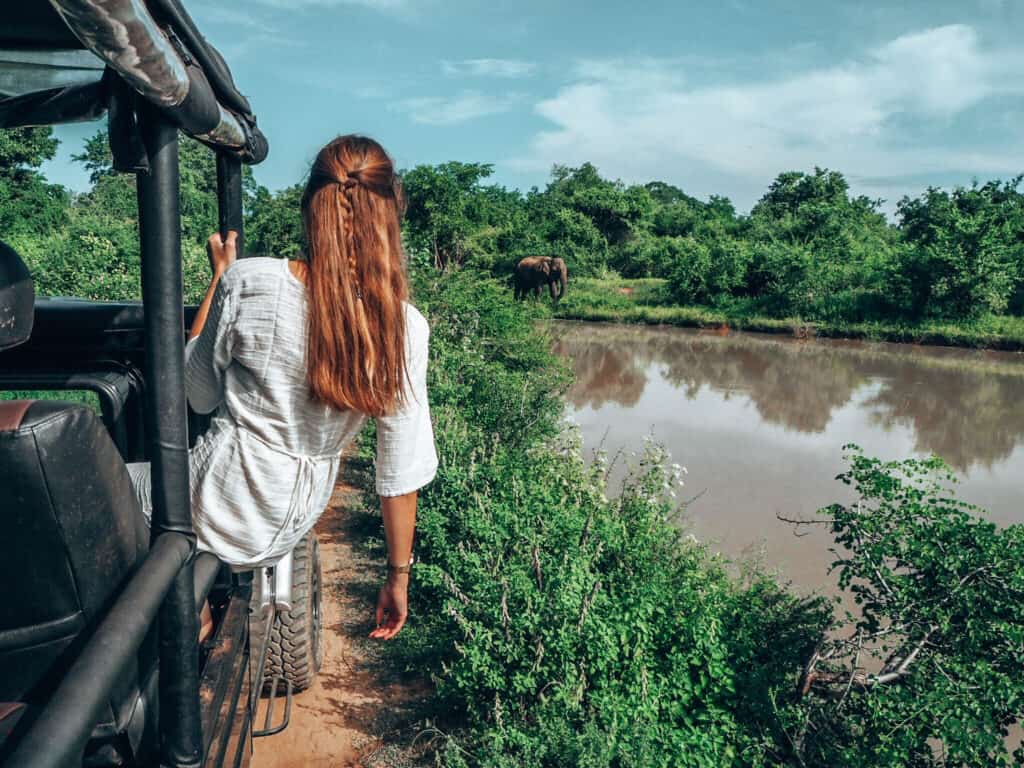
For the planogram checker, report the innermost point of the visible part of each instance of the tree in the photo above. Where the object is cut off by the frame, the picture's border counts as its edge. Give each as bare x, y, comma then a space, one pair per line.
96, 157
198, 181
274, 224
645, 255
613, 208
29, 205
965, 250
573, 236
93, 250
666, 194
833, 249
443, 208
709, 270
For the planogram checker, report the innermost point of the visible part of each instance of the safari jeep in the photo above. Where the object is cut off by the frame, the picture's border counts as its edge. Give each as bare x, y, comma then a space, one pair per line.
100, 664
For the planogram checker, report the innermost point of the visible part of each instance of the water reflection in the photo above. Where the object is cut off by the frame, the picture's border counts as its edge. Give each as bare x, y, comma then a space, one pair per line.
962, 405
760, 422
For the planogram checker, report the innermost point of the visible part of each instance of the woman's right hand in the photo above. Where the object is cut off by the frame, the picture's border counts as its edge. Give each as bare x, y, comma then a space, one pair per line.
222, 252
392, 607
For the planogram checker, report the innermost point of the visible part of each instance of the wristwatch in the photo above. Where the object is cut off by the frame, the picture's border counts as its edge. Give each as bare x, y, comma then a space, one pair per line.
407, 568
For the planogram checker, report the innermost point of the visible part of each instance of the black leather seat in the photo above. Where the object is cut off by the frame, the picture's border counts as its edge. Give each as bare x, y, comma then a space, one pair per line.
71, 535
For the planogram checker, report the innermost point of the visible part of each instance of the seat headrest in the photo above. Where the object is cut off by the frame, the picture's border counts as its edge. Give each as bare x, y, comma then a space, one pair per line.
17, 299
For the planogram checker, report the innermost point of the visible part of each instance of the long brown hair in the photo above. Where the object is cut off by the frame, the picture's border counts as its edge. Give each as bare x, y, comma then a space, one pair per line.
351, 209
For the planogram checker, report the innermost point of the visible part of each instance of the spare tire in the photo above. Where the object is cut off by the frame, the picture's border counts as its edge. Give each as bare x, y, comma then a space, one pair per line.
295, 649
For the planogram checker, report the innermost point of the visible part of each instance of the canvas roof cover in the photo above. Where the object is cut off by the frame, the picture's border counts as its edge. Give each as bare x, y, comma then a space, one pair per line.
67, 60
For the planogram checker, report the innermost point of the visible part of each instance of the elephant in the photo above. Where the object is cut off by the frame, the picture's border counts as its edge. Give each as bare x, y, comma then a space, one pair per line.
535, 271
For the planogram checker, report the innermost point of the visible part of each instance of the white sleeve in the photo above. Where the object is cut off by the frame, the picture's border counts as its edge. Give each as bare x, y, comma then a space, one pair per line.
208, 355
406, 456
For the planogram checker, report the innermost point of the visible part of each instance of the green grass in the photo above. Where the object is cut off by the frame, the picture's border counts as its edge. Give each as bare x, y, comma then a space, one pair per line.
644, 301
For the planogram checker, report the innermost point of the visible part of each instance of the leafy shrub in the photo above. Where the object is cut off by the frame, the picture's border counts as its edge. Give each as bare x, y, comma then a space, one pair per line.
964, 251
781, 274
564, 627
930, 672
574, 237
709, 271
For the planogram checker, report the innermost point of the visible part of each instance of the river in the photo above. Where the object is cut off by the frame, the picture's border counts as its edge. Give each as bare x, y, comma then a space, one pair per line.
759, 422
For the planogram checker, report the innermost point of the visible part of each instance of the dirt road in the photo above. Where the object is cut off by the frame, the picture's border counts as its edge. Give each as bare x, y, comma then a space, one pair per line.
357, 713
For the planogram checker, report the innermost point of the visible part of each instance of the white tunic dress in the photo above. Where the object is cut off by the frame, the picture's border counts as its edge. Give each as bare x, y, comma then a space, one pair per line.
263, 473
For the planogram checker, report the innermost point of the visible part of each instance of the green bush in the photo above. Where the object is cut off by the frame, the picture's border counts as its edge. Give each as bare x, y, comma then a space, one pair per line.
930, 670
562, 626
964, 253
708, 271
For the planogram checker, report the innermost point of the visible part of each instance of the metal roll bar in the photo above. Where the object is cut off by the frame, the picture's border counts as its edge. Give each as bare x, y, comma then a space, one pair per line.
125, 36
60, 733
168, 582
229, 198
167, 413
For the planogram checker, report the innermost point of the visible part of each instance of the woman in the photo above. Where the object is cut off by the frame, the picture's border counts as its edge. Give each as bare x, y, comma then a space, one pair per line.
292, 357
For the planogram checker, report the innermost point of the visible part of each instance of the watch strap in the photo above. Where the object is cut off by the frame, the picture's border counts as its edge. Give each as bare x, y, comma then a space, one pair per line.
407, 568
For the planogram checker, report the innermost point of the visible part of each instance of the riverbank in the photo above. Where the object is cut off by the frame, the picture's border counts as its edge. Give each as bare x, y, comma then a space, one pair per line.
642, 301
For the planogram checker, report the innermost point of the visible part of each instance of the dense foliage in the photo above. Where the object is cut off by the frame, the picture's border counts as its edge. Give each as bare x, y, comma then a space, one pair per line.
930, 671
646, 300
88, 244
566, 627
565, 624
807, 249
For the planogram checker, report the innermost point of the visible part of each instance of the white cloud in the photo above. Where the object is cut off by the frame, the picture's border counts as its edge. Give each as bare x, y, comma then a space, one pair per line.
468, 105
640, 119
508, 68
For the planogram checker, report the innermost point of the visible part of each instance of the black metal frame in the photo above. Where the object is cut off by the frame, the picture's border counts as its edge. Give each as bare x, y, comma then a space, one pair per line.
118, 387
167, 416
229, 199
59, 735
191, 734
207, 720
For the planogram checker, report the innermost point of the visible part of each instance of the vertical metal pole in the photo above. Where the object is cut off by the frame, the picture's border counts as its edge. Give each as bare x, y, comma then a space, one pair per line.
229, 198
160, 240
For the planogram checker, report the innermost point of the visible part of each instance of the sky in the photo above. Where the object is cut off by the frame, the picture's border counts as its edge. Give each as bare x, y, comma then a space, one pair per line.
714, 97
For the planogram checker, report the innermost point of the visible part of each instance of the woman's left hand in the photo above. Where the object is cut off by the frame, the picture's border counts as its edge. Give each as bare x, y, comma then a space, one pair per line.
392, 607
222, 252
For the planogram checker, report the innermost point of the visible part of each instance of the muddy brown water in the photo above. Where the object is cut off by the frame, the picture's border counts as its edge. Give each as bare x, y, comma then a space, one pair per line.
759, 422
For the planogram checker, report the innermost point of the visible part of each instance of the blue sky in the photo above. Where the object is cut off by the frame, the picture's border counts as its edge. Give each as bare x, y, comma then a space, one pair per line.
715, 97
